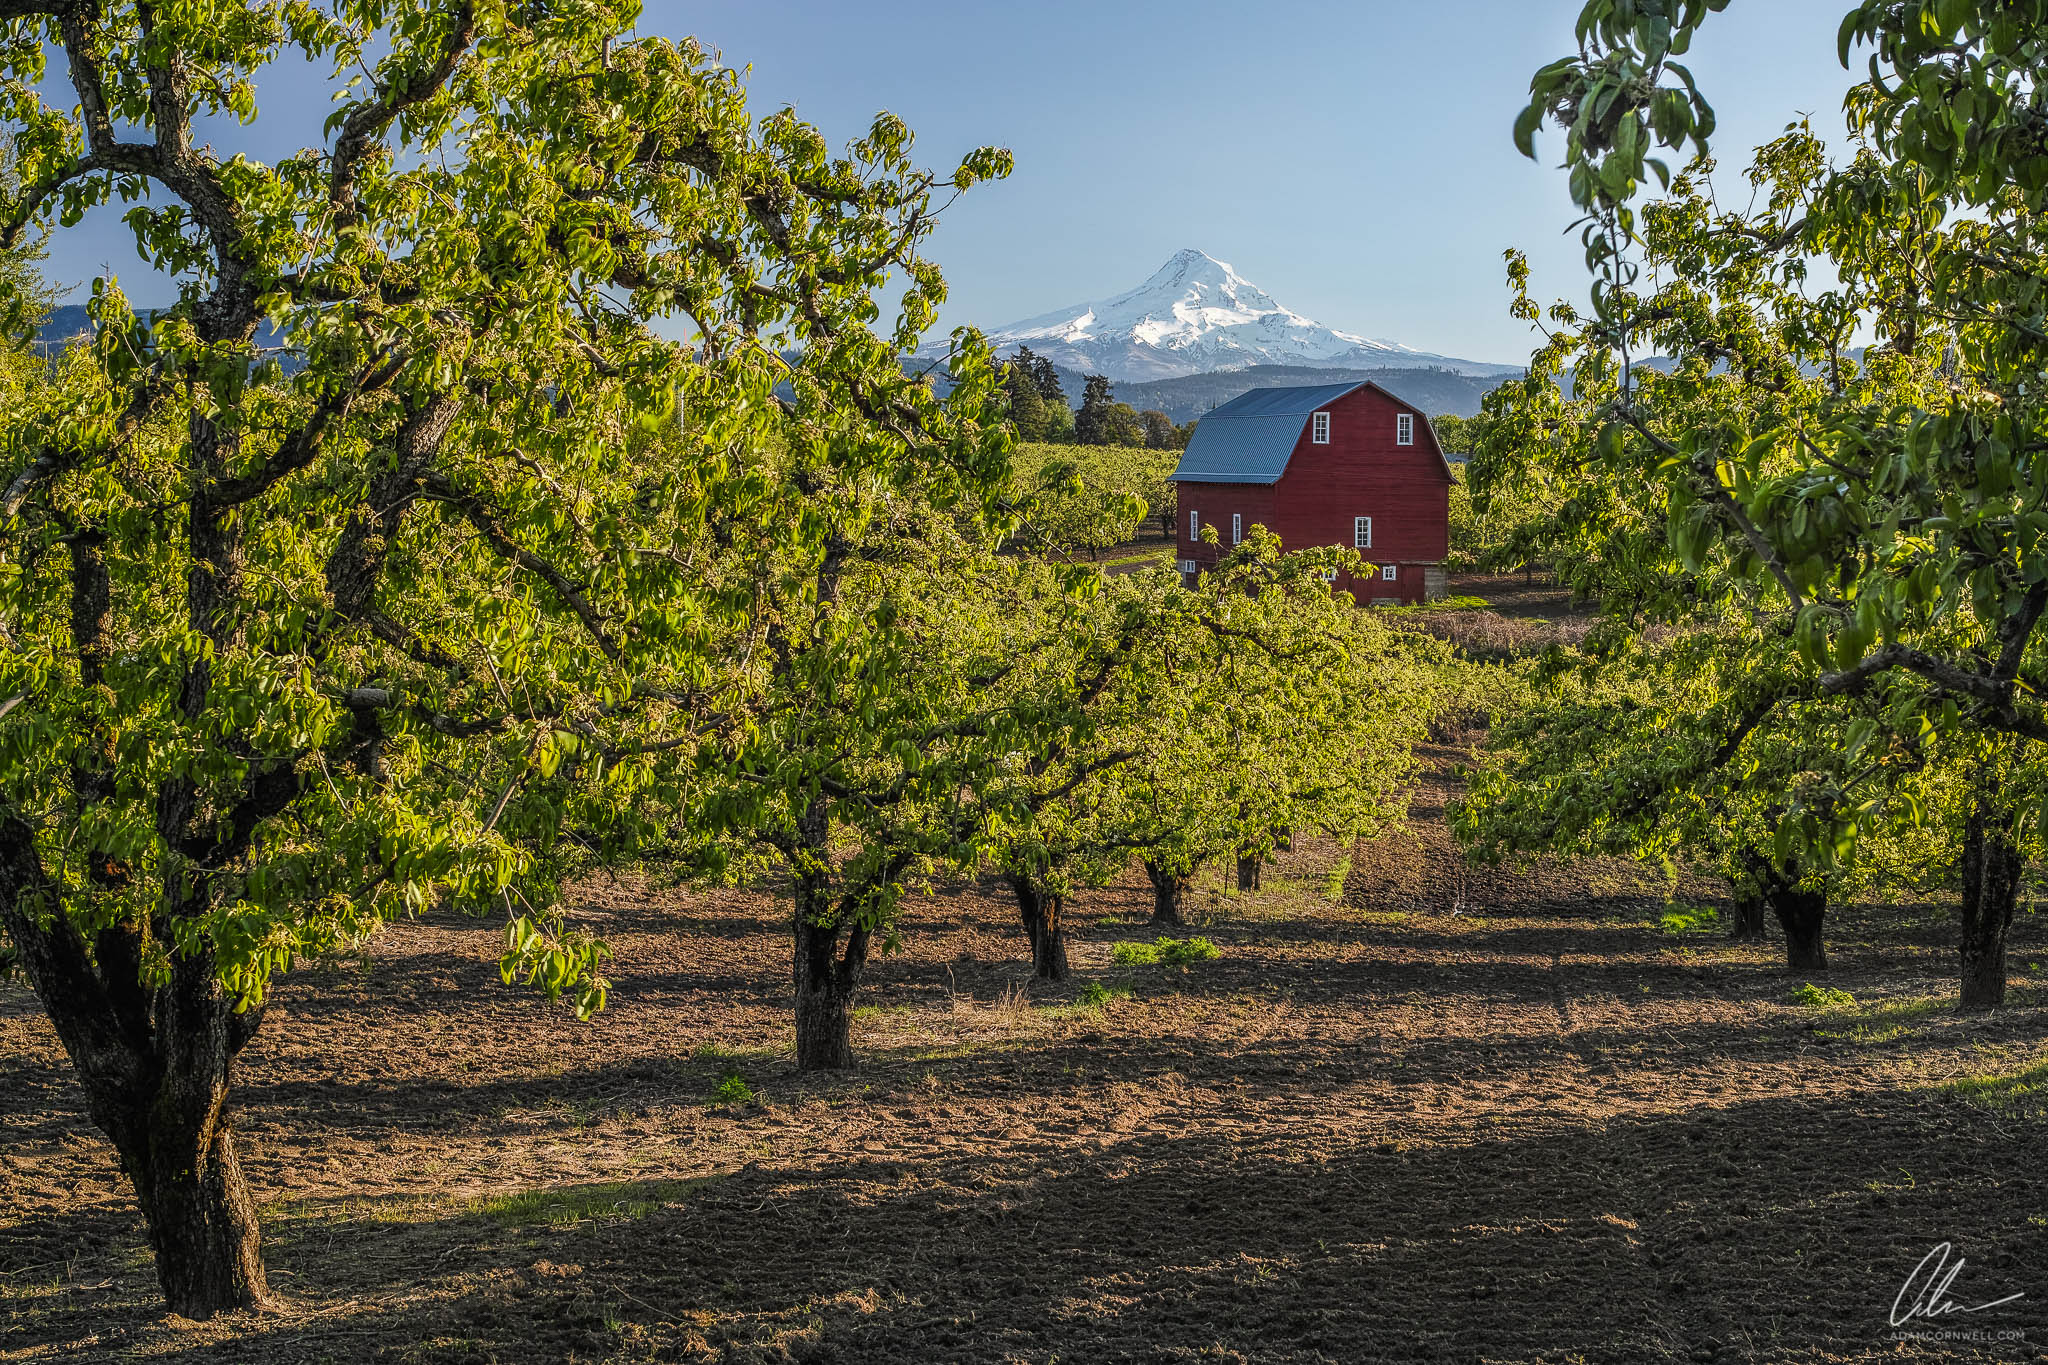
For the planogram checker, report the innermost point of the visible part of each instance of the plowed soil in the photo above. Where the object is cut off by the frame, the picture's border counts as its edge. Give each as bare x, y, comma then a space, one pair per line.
1446, 1115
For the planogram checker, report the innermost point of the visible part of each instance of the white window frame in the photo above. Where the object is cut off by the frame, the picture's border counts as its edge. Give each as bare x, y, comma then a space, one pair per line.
1194, 525
1237, 528
1389, 573
1361, 533
1329, 575
1319, 429
1404, 429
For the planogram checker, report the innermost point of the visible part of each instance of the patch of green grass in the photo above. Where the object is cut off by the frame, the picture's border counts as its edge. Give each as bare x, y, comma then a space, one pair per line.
1824, 998
865, 1012
2022, 1091
1334, 884
734, 1056
733, 1092
566, 1205
1456, 602
1165, 952
1089, 1004
1095, 994
1884, 1020
1690, 919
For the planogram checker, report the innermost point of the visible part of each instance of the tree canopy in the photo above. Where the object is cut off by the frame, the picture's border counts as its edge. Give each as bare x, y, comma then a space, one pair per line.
1874, 517
291, 650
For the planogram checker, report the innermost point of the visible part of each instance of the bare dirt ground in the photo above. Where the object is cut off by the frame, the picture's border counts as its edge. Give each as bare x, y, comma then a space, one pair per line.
1474, 1116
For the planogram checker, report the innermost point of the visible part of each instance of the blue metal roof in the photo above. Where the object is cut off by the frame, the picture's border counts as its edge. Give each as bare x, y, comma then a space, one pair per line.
1249, 439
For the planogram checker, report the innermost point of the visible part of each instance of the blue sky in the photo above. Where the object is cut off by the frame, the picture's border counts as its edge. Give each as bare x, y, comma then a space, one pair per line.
1352, 159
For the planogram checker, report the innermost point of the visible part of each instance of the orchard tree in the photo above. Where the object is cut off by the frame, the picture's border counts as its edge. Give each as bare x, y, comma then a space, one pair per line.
1282, 710
914, 690
1076, 505
1092, 673
1694, 751
1090, 499
1885, 534
288, 654
1160, 432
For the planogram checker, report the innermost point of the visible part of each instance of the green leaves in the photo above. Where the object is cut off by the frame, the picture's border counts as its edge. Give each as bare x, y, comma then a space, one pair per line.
1768, 483
540, 954
459, 602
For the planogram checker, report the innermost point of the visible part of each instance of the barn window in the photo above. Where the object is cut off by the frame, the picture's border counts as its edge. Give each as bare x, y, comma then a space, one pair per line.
1194, 525
1321, 434
1361, 533
1237, 528
1390, 573
1404, 429
1329, 575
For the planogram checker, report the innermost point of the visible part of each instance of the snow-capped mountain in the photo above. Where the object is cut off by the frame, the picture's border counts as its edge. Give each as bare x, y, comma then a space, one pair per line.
1197, 315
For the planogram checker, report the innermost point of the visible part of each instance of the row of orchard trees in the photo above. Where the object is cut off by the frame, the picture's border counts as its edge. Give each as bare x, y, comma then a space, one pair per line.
493, 582
1089, 499
1823, 566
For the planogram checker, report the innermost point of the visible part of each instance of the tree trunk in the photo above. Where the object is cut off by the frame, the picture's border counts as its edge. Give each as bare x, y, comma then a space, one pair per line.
1991, 885
167, 1118
1044, 916
154, 1066
1800, 914
202, 1220
1747, 924
1248, 872
826, 975
824, 998
1168, 889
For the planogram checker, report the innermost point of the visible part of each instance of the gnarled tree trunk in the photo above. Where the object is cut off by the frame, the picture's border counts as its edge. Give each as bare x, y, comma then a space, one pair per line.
1800, 914
155, 1067
827, 974
1991, 884
826, 979
175, 1143
1168, 891
1248, 868
1044, 916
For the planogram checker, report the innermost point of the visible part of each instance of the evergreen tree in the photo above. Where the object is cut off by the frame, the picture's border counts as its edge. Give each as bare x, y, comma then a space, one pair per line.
1092, 422
1047, 377
1028, 408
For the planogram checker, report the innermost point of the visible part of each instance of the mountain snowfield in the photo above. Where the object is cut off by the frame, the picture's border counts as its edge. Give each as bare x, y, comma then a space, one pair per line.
1196, 315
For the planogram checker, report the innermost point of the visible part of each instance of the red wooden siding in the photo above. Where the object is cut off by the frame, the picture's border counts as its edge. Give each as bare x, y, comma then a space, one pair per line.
1360, 473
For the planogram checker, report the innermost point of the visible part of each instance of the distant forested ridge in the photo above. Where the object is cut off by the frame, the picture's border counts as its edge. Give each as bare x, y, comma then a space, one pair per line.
1431, 390
1187, 398
70, 322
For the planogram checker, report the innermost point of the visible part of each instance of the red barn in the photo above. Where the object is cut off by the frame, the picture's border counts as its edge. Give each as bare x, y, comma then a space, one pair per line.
1324, 464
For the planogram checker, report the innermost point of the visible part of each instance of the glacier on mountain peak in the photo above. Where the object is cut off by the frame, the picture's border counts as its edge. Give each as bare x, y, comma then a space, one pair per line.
1194, 315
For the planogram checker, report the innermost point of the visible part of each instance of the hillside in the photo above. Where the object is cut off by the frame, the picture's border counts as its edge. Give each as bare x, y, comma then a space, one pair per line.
1433, 390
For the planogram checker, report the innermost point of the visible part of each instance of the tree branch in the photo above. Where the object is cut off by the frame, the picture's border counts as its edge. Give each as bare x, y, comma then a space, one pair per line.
366, 122
484, 518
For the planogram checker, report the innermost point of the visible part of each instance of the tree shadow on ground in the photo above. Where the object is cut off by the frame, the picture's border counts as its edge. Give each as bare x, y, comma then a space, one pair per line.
1773, 1230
